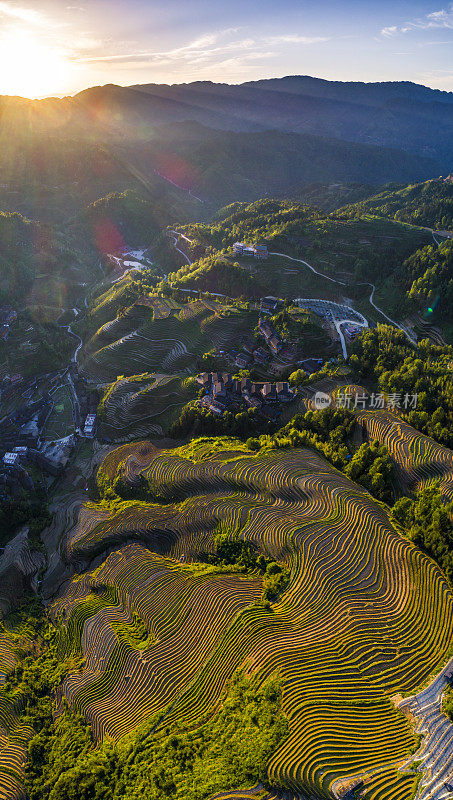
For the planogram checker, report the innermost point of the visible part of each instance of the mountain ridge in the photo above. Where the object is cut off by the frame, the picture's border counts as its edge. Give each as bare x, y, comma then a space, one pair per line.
410, 117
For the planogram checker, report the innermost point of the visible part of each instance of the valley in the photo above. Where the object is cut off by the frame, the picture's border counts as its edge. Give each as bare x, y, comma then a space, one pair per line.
226, 433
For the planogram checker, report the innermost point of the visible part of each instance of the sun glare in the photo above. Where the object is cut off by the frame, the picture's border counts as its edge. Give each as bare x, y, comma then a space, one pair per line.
30, 68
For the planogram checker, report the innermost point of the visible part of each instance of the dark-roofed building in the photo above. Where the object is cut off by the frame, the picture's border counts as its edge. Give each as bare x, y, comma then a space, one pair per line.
261, 251
219, 391
254, 251
246, 384
311, 365
260, 355
288, 355
204, 380
266, 329
216, 408
268, 305
7, 315
284, 393
251, 400
275, 344
10, 459
243, 360
227, 379
249, 345
236, 388
256, 388
269, 392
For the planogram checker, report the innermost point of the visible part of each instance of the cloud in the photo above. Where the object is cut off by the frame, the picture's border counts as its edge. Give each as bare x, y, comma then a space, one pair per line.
218, 47
392, 30
29, 15
436, 19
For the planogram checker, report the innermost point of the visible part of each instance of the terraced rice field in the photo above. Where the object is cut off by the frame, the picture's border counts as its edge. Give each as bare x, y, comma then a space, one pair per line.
142, 346
227, 329
420, 460
106, 305
159, 305
194, 310
365, 616
116, 328
14, 737
144, 407
157, 334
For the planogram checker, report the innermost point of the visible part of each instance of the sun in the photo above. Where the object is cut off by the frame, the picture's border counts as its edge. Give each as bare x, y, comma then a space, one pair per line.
29, 67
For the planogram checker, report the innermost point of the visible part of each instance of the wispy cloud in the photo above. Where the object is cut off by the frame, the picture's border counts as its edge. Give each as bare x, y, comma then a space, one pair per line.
391, 30
215, 48
436, 19
23, 14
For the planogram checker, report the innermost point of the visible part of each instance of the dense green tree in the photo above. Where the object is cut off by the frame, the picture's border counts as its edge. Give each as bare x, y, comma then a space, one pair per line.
373, 467
429, 204
385, 357
428, 521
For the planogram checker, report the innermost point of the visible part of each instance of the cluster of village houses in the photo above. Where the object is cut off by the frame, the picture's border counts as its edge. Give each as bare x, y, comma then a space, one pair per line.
223, 392
22, 441
21, 447
277, 354
276, 347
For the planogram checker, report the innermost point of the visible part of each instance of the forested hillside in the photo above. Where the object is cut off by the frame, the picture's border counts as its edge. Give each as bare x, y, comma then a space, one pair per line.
385, 356
429, 204
397, 114
110, 141
330, 196
351, 249
27, 249
132, 217
431, 272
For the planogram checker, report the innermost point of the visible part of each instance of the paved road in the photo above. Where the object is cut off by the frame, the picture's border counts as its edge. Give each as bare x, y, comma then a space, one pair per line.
175, 242
338, 323
68, 328
301, 261
75, 400
435, 754
342, 283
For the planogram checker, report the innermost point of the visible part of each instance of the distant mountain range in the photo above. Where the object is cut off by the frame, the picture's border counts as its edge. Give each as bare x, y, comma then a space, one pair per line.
402, 115
219, 142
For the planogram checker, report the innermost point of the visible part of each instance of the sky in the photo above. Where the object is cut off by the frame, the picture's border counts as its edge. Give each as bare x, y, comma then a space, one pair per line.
48, 47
